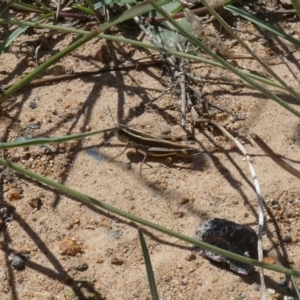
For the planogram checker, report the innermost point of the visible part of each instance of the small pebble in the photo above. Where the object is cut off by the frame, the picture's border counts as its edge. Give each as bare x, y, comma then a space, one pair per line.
32, 105
273, 202
31, 119
165, 128
269, 260
99, 260
21, 279
179, 214
256, 287
80, 266
116, 261
287, 213
13, 194
35, 203
190, 257
184, 201
276, 206
242, 134
6, 213
128, 166
271, 291
103, 54
288, 298
57, 70
34, 126
287, 238
22, 126
114, 233
18, 262
43, 296
69, 247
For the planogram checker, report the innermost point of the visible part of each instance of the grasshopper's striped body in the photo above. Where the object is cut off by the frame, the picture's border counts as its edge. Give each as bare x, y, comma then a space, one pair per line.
153, 145
150, 145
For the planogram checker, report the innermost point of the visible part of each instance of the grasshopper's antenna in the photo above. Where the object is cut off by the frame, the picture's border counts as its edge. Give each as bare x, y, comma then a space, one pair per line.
111, 116
117, 125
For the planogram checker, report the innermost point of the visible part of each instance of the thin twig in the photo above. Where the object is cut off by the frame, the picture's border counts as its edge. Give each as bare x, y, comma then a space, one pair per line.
183, 92
150, 36
196, 11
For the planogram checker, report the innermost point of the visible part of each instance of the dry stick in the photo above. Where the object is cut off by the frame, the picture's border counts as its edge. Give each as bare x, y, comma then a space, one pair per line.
58, 9
196, 11
183, 92
143, 28
258, 193
274, 156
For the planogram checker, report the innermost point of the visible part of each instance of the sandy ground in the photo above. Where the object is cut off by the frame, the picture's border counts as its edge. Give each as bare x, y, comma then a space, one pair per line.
77, 251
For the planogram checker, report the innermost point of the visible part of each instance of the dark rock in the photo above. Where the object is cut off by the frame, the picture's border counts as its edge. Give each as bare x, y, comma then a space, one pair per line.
165, 128
6, 213
32, 105
116, 261
18, 262
80, 266
287, 238
230, 236
36, 203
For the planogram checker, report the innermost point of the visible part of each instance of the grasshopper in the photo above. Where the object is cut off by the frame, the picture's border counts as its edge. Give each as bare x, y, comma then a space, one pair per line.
156, 146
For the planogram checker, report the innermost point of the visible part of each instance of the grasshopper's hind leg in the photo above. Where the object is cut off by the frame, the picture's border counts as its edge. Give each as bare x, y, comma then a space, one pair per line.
143, 161
118, 154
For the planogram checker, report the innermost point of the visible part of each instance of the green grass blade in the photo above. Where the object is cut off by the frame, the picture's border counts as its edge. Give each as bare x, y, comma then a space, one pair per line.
41, 4
150, 274
95, 12
61, 139
101, 204
84, 9
6, 42
90, 4
262, 24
